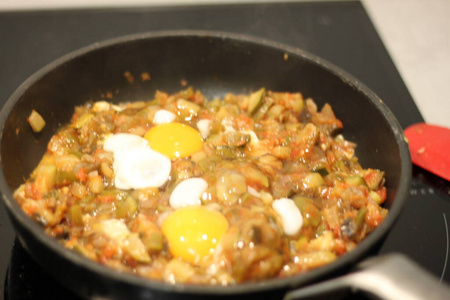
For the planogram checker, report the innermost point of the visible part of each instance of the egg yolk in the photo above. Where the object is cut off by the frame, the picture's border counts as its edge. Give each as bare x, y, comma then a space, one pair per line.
193, 232
174, 140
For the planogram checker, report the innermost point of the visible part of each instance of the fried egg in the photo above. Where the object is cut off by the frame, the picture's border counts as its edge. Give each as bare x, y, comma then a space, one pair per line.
135, 165
163, 116
291, 217
203, 126
174, 140
188, 192
193, 232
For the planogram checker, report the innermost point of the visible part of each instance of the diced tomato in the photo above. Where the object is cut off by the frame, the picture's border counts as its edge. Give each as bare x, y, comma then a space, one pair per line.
244, 122
82, 174
57, 230
71, 242
98, 151
29, 209
31, 191
198, 98
374, 217
135, 227
296, 155
106, 198
382, 193
331, 157
340, 247
296, 152
75, 117
108, 251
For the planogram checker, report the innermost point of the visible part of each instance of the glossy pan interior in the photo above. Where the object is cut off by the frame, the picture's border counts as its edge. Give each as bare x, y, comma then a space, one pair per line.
215, 63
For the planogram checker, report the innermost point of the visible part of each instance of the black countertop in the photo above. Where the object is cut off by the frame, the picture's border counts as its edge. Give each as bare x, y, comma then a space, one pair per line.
340, 32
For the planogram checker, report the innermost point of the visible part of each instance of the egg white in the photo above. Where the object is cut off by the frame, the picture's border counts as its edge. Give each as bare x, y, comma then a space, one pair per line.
291, 217
135, 165
163, 116
188, 192
203, 126
142, 168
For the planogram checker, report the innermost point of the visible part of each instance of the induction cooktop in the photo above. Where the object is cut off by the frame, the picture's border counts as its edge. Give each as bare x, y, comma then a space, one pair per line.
338, 31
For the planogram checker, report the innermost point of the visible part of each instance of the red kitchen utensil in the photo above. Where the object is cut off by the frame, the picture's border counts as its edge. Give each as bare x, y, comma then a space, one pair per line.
429, 146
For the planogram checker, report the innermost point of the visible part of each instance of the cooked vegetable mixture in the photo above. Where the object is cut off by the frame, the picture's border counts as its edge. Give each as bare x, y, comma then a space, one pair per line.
185, 190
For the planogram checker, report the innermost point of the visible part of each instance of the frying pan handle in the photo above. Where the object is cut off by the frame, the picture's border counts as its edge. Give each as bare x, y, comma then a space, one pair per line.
389, 277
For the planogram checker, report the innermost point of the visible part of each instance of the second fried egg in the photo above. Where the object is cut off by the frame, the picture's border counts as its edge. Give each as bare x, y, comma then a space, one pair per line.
174, 140
193, 232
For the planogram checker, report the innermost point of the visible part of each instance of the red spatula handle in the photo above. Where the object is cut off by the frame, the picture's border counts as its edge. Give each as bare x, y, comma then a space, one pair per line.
430, 148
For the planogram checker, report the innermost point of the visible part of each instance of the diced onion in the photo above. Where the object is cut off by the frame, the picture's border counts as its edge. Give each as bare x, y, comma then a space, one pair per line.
36, 121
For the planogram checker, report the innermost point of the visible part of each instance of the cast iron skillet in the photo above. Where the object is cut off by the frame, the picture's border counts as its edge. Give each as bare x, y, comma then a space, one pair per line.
215, 63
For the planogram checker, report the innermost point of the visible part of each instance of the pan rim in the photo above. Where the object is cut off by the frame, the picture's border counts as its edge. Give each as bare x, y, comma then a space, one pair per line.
276, 283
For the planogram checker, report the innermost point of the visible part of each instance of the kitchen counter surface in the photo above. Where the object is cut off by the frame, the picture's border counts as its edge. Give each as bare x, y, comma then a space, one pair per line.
413, 32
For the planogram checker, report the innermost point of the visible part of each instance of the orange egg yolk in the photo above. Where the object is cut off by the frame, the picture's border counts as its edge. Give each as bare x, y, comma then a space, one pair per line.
193, 232
174, 140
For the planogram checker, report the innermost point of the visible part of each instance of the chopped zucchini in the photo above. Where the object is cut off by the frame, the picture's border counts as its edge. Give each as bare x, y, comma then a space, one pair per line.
282, 152
360, 216
355, 180
256, 100
321, 168
187, 109
298, 103
228, 151
153, 241
126, 208
313, 180
341, 166
375, 197
208, 163
310, 212
186, 93
76, 215
275, 111
236, 138
132, 205
374, 178
45, 178
82, 120
77, 153
136, 248
255, 175
259, 114
77, 247
64, 177
215, 140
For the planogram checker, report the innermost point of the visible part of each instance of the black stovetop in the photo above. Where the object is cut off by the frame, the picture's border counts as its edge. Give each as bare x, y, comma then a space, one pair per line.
338, 31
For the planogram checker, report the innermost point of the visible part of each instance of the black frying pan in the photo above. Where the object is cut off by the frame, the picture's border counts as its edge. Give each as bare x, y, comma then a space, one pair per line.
215, 63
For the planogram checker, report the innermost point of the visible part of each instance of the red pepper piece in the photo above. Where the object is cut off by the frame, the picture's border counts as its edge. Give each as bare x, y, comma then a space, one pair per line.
429, 146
